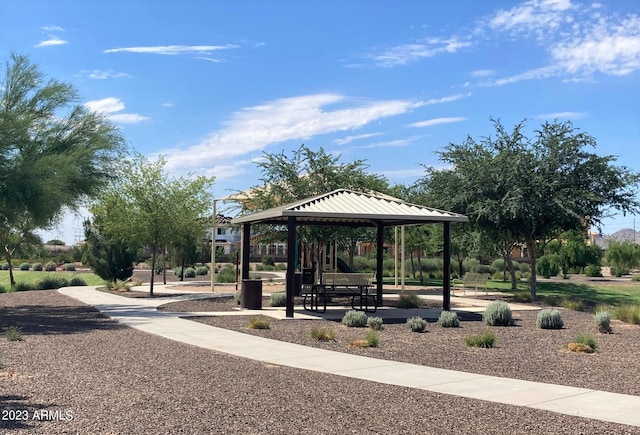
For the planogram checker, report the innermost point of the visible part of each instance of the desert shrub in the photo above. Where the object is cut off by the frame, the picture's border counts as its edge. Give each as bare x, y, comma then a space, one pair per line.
603, 321
432, 265
618, 271
371, 339
525, 269
281, 266
361, 264
417, 324
51, 282
323, 334
549, 319
118, 285
448, 319
482, 268
552, 300
69, 267
5, 266
583, 343
237, 297
572, 304
629, 313
22, 286
24, 266
202, 270
278, 299
2, 289
226, 274
521, 297
485, 340
593, 270
409, 299
189, 272
548, 265
77, 282
499, 265
355, 318
13, 333
259, 323
498, 313
37, 267
259, 267
267, 260
635, 278
177, 271
375, 323
50, 266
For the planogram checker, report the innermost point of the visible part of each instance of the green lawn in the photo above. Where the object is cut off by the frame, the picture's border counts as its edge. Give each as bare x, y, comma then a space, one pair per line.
609, 294
31, 277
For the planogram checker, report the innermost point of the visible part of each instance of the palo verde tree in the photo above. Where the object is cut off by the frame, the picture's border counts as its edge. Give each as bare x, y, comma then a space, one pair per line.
520, 190
307, 173
54, 152
147, 206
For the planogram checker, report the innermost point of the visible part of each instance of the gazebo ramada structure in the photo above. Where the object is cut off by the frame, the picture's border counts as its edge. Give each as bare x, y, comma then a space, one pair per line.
343, 207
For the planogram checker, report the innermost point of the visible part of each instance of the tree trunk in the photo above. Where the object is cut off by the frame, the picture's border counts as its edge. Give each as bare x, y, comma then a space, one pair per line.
512, 271
7, 255
533, 255
420, 268
164, 266
154, 257
460, 263
182, 269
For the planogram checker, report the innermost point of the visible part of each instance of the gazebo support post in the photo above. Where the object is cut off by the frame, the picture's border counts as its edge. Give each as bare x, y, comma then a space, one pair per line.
246, 246
446, 261
291, 264
379, 263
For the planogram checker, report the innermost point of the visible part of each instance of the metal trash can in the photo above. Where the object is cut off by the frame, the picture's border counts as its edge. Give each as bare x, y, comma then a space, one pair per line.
251, 294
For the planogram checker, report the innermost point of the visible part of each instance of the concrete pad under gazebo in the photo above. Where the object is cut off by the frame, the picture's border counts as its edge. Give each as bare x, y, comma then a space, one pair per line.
343, 207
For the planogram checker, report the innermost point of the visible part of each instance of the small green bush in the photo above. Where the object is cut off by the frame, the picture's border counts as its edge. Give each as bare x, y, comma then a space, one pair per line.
13, 333
372, 338
618, 271
24, 266
189, 272
549, 319
375, 323
50, 266
323, 334
448, 319
227, 274
2, 289
69, 267
603, 321
202, 270
37, 267
51, 283
548, 265
267, 260
355, 318
237, 297
118, 285
278, 299
177, 271
485, 340
629, 313
22, 286
586, 340
409, 299
259, 323
498, 313
521, 297
417, 324
281, 266
77, 282
551, 300
593, 270
572, 304
635, 278
5, 266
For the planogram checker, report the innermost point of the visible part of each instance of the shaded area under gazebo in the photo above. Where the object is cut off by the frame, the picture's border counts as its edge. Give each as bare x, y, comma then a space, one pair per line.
344, 207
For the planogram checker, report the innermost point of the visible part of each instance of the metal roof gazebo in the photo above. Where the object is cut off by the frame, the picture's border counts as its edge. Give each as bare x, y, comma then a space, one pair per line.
343, 207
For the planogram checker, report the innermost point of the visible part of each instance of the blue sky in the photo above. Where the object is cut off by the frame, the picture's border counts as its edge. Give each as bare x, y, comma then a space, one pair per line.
214, 84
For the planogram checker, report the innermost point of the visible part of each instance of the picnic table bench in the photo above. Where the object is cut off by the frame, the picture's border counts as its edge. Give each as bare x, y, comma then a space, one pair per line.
353, 285
472, 281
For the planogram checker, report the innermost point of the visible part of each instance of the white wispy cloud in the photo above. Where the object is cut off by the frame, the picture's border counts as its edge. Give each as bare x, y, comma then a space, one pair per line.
253, 128
167, 104
483, 73
408, 53
393, 143
348, 139
412, 173
561, 115
533, 16
52, 29
99, 74
447, 99
52, 41
172, 50
111, 107
209, 59
436, 121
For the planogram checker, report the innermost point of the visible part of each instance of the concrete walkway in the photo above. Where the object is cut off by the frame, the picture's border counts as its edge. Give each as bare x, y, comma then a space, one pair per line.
141, 313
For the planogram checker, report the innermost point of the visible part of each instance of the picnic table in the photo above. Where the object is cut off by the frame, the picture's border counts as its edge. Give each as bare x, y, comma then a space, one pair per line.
338, 284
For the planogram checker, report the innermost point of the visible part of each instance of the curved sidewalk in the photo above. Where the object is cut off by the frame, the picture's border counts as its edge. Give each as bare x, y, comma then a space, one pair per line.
141, 313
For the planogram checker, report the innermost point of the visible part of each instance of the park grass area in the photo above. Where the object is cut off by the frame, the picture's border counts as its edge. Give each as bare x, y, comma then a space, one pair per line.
32, 277
598, 293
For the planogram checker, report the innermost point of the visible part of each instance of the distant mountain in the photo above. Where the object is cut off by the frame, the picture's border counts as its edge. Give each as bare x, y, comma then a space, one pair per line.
626, 234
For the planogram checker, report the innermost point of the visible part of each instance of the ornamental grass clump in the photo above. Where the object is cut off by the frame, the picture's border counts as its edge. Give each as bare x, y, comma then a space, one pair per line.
77, 282
549, 319
572, 304
51, 283
371, 339
448, 319
417, 324
603, 321
628, 313
583, 343
409, 300
278, 299
13, 333
323, 334
375, 323
498, 313
355, 318
22, 286
485, 340
259, 323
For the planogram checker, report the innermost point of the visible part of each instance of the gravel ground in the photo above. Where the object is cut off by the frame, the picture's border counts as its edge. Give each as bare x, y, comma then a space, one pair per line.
91, 375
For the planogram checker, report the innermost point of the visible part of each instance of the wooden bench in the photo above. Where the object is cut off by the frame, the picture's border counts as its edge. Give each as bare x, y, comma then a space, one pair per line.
472, 281
353, 285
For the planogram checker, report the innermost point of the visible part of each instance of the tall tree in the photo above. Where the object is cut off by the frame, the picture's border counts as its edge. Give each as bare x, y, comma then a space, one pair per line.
515, 189
112, 258
147, 206
53, 152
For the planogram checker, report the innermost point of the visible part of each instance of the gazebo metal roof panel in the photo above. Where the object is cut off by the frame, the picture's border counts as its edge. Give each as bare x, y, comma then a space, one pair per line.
344, 206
